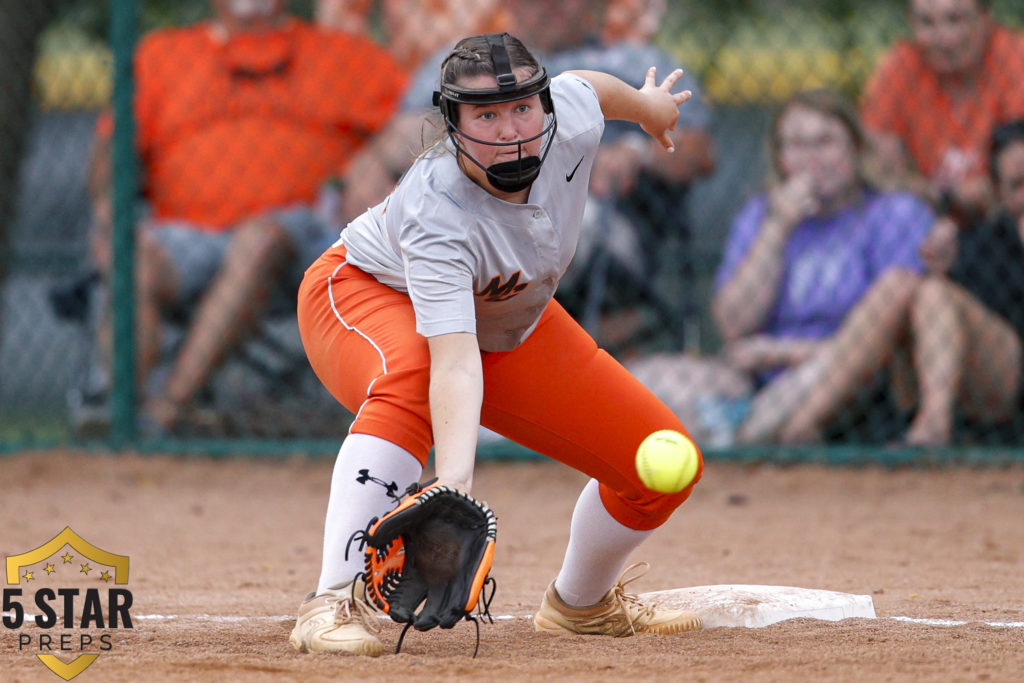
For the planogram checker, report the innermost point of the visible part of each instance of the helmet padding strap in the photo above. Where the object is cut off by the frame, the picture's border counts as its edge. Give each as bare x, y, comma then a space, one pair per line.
502, 64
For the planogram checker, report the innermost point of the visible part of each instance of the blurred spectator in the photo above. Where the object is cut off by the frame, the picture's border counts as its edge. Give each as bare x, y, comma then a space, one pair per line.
933, 101
814, 290
414, 28
240, 120
348, 16
978, 312
633, 21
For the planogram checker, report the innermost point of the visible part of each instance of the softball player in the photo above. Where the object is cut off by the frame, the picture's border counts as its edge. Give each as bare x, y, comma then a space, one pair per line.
433, 314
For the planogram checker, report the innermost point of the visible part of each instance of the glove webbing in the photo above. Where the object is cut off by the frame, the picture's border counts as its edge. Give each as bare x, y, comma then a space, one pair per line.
483, 611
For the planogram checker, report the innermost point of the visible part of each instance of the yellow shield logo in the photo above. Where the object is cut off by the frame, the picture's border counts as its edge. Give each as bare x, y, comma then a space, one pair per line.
79, 608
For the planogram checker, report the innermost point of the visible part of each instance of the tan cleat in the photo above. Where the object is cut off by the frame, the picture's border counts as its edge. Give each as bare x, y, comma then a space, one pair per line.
338, 620
617, 614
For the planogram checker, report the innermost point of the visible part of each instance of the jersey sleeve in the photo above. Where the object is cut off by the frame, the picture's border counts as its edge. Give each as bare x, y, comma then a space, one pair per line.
438, 264
576, 105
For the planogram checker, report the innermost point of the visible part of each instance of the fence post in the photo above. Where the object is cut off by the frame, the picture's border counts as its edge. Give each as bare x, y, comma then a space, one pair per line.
123, 22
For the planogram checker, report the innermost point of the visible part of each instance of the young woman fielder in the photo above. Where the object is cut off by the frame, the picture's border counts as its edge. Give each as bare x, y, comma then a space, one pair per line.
433, 314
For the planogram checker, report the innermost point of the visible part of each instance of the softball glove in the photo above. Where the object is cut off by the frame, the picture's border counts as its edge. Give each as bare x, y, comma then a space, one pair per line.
429, 559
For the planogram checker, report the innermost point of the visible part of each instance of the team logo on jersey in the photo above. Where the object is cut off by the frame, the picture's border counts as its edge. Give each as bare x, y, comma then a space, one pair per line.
496, 290
78, 619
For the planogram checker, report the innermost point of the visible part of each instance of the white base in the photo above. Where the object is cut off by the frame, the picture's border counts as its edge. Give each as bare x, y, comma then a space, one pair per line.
757, 606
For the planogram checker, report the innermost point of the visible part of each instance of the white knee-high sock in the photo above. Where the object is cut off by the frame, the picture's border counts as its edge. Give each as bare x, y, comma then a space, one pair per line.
352, 504
599, 546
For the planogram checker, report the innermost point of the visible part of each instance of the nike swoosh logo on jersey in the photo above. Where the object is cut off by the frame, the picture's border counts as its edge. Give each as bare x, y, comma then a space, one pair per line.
568, 176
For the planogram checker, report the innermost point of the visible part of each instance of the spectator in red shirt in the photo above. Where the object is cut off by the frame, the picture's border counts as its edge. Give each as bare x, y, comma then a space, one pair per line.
240, 120
933, 101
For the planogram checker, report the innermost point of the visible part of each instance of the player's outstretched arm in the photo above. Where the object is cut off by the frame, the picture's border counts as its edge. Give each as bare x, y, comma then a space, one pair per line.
654, 107
456, 394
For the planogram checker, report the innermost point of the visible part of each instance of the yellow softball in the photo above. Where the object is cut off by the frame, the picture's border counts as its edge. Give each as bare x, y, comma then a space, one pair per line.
666, 461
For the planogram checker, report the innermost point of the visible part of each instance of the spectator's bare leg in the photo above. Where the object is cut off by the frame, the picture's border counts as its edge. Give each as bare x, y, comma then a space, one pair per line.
863, 345
774, 404
940, 346
155, 286
234, 303
903, 379
965, 356
991, 380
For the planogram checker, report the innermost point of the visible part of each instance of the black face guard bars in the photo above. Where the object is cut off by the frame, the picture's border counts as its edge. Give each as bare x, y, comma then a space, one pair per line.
507, 176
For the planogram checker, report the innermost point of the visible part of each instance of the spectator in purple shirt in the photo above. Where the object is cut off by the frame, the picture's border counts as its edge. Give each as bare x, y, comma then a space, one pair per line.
815, 287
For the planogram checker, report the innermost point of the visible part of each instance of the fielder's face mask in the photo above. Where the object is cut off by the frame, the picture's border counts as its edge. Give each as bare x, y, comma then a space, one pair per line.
507, 176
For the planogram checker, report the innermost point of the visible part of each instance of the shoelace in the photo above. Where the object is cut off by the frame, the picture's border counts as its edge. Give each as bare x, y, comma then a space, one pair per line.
344, 612
625, 600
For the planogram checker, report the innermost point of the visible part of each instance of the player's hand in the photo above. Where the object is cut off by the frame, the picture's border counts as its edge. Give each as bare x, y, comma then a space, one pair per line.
662, 110
793, 200
939, 250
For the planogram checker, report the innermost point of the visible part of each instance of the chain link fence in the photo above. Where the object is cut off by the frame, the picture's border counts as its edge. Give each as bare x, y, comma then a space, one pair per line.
251, 157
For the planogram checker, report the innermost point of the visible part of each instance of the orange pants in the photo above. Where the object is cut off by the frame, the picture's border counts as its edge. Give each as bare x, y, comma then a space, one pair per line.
557, 393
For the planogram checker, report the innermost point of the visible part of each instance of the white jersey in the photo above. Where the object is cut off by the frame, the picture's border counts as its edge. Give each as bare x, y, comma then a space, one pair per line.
472, 262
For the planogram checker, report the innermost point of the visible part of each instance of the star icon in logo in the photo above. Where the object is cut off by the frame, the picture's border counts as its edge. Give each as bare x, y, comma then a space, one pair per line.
67, 557
28, 576
85, 568
105, 577
49, 568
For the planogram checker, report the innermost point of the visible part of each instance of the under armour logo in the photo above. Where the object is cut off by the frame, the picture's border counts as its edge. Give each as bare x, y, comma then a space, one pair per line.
496, 290
389, 488
568, 176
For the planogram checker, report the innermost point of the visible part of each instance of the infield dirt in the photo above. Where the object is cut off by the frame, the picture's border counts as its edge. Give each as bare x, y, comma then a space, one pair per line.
223, 551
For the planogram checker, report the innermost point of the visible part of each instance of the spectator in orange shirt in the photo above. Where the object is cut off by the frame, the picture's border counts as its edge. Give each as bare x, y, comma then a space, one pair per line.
932, 103
239, 122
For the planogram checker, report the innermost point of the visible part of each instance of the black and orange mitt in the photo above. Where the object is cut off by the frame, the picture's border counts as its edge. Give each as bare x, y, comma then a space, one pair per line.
429, 559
